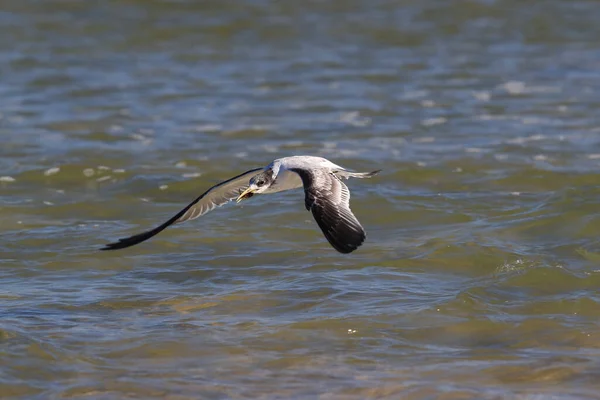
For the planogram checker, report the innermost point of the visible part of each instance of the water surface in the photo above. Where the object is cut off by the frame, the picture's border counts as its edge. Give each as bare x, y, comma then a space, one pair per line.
480, 274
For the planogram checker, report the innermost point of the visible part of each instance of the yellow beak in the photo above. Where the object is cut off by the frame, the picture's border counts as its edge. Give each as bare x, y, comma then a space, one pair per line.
245, 194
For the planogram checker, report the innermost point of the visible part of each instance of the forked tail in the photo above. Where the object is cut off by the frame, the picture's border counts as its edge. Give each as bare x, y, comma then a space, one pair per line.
348, 174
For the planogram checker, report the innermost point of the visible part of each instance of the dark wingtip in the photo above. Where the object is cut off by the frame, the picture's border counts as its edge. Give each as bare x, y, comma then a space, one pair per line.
121, 244
112, 246
347, 248
135, 239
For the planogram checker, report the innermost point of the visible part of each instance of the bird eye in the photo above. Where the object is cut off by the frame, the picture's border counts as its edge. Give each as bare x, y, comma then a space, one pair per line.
260, 182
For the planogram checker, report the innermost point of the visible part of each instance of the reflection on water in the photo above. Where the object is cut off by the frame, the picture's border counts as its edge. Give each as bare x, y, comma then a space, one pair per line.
479, 277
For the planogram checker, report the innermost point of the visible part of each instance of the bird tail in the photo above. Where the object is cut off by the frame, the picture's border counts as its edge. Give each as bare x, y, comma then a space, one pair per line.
361, 175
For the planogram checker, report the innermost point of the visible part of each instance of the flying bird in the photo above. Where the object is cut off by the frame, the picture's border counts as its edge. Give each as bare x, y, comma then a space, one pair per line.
325, 195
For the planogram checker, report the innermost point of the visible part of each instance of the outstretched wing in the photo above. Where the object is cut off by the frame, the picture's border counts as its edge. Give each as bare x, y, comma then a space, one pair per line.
328, 199
214, 197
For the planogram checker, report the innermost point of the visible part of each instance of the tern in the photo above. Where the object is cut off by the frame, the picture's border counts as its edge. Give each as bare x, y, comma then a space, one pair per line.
325, 195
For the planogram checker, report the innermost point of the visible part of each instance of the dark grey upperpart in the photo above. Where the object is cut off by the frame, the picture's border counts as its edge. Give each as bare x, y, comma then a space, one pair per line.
322, 189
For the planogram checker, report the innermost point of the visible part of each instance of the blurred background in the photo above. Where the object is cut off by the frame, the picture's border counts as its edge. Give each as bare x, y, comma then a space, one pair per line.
480, 274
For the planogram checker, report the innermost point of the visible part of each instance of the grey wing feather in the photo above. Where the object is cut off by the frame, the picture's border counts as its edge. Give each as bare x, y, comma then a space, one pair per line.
218, 195
209, 200
328, 198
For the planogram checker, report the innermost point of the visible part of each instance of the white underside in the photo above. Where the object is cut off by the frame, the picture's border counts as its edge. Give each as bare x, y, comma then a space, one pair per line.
285, 180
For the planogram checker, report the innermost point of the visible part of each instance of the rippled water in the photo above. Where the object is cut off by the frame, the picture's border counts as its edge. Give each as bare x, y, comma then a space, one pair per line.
480, 274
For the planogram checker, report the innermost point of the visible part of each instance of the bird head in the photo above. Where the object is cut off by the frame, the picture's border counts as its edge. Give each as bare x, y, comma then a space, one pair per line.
258, 184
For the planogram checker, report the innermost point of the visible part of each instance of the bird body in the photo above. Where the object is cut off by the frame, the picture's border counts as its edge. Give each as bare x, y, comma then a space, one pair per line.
284, 176
326, 196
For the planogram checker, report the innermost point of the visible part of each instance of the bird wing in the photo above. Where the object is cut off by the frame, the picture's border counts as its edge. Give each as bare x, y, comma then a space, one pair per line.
328, 198
214, 197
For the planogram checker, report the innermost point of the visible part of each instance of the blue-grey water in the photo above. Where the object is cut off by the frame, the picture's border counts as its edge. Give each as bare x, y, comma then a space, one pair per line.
480, 275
